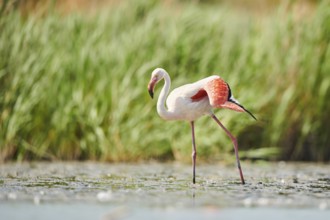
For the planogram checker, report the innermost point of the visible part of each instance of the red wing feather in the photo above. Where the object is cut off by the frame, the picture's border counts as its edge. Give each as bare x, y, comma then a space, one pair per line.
217, 90
199, 95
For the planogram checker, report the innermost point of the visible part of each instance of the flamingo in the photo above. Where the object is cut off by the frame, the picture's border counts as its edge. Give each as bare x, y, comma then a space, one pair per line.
191, 101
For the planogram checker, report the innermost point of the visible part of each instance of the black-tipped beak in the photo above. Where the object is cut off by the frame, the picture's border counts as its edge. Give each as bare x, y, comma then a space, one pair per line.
151, 87
151, 93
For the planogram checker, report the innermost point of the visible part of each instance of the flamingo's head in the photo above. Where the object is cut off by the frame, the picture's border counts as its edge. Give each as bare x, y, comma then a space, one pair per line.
156, 76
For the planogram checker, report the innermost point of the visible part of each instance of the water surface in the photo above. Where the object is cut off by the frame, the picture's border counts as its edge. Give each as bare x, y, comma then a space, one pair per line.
163, 191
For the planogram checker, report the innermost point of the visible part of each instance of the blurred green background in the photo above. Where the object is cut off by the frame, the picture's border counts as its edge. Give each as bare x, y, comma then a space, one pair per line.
74, 75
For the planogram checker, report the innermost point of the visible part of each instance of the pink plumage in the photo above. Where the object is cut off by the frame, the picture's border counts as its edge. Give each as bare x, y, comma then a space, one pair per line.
217, 91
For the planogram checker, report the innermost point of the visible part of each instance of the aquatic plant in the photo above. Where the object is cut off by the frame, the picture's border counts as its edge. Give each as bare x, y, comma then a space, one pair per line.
73, 86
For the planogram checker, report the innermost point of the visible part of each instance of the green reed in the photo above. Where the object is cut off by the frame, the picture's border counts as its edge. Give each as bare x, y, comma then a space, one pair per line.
74, 86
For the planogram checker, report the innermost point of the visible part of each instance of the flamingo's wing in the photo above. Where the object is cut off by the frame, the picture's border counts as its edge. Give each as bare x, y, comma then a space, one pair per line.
219, 94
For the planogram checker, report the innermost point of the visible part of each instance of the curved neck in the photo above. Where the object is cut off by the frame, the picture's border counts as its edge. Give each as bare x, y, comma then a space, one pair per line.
162, 111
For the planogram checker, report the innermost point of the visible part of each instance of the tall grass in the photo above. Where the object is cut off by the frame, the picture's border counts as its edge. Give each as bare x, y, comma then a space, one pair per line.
74, 86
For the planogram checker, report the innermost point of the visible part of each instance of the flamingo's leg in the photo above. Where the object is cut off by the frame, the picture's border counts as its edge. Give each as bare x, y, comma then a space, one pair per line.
193, 150
235, 146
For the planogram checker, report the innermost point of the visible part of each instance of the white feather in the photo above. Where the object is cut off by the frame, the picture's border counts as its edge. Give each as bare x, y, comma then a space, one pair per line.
179, 104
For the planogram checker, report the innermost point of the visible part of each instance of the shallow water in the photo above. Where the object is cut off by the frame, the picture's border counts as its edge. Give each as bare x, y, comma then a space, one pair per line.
163, 191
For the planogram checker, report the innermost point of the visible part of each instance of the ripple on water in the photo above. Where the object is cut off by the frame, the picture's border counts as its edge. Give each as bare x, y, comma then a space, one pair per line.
162, 185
